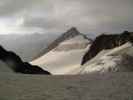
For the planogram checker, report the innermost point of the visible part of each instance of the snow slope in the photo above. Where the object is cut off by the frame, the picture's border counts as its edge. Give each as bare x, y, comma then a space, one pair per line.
119, 59
65, 57
113, 60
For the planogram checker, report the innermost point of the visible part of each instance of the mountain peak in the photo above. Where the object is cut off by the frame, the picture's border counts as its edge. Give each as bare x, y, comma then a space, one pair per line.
73, 31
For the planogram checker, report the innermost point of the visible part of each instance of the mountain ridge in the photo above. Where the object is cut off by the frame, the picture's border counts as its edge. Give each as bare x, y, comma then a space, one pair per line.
72, 32
106, 41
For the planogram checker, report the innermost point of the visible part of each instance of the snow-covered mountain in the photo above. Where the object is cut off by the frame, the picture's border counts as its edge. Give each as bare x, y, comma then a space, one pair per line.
119, 59
74, 53
65, 53
108, 53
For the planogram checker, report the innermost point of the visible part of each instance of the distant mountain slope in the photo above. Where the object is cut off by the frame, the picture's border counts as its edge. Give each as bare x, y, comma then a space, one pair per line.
9, 60
65, 53
27, 46
107, 42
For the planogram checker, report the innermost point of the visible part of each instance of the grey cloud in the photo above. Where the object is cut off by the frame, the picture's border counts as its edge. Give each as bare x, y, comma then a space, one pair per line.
88, 15
10, 7
44, 23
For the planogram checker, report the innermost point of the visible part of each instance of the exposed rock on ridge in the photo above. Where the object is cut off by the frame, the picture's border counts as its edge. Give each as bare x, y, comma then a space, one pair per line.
107, 42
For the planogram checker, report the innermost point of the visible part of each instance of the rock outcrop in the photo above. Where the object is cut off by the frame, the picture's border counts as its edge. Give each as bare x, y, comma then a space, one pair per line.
107, 41
17, 65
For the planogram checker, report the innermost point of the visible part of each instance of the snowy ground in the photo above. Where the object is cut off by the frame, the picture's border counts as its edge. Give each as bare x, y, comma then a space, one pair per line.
60, 62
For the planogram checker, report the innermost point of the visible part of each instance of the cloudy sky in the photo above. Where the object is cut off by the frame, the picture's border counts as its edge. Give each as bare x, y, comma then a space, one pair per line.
49, 16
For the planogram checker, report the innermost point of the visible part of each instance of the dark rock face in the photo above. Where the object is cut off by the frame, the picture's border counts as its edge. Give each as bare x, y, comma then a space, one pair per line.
107, 42
30, 69
17, 65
